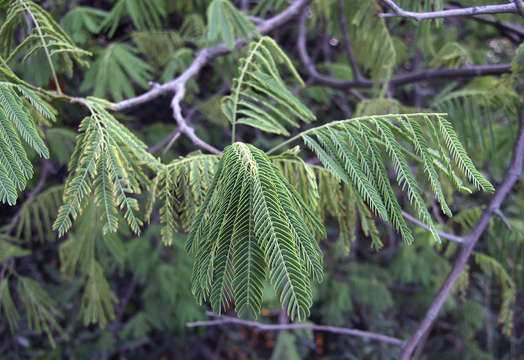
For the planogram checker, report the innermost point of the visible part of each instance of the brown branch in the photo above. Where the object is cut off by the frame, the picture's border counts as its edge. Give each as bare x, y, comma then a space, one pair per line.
512, 176
206, 55
475, 10
221, 320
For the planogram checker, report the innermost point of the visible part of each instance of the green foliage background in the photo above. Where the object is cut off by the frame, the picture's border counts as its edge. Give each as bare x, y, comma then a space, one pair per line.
95, 260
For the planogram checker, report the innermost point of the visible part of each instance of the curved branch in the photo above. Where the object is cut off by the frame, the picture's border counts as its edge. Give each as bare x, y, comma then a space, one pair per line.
416, 76
475, 10
206, 55
512, 176
221, 320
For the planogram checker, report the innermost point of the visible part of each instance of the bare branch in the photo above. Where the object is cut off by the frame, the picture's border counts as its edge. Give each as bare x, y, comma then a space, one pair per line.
416, 76
206, 55
512, 176
513, 30
475, 10
221, 320
450, 237
183, 126
310, 65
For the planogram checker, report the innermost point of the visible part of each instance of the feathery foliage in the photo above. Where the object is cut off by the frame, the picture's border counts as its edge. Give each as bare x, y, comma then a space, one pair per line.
451, 55
259, 96
82, 22
144, 15
491, 266
20, 107
350, 150
44, 34
98, 297
9, 248
372, 41
252, 222
41, 309
226, 23
37, 215
108, 159
115, 70
183, 185
326, 196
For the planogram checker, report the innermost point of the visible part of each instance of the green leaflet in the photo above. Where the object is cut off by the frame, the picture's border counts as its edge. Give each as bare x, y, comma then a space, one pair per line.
107, 158
17, 105
226, 23
349, 149
144, 15
115, 71
260, 97
249, 225
45, 35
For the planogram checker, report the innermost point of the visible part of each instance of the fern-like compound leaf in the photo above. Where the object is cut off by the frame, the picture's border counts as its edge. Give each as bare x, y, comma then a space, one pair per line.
20, 108
349, 149
250, 225
226, 23
259, 96
45, 34
108, 158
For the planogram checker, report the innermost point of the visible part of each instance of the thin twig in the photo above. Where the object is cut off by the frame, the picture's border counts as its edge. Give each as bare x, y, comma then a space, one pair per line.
416, 76
512, 176
450, 237
183, 126
475, 10
221, 320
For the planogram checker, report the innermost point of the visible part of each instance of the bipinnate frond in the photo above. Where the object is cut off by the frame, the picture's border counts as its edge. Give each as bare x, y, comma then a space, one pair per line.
250, 224
226, 23
44, 34
144, 15
182, 186
109, 159
98, 299
259, 96
492, 267
37, 215
372, 42
115, 71
451, 55
18, 106
41, 310
355, 150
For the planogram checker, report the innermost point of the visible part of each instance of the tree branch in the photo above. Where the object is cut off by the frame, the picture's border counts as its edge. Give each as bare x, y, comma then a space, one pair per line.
512, 176
183, 126
221, 320
206, 55
475, 10
310, 65
416, 76
450, 237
